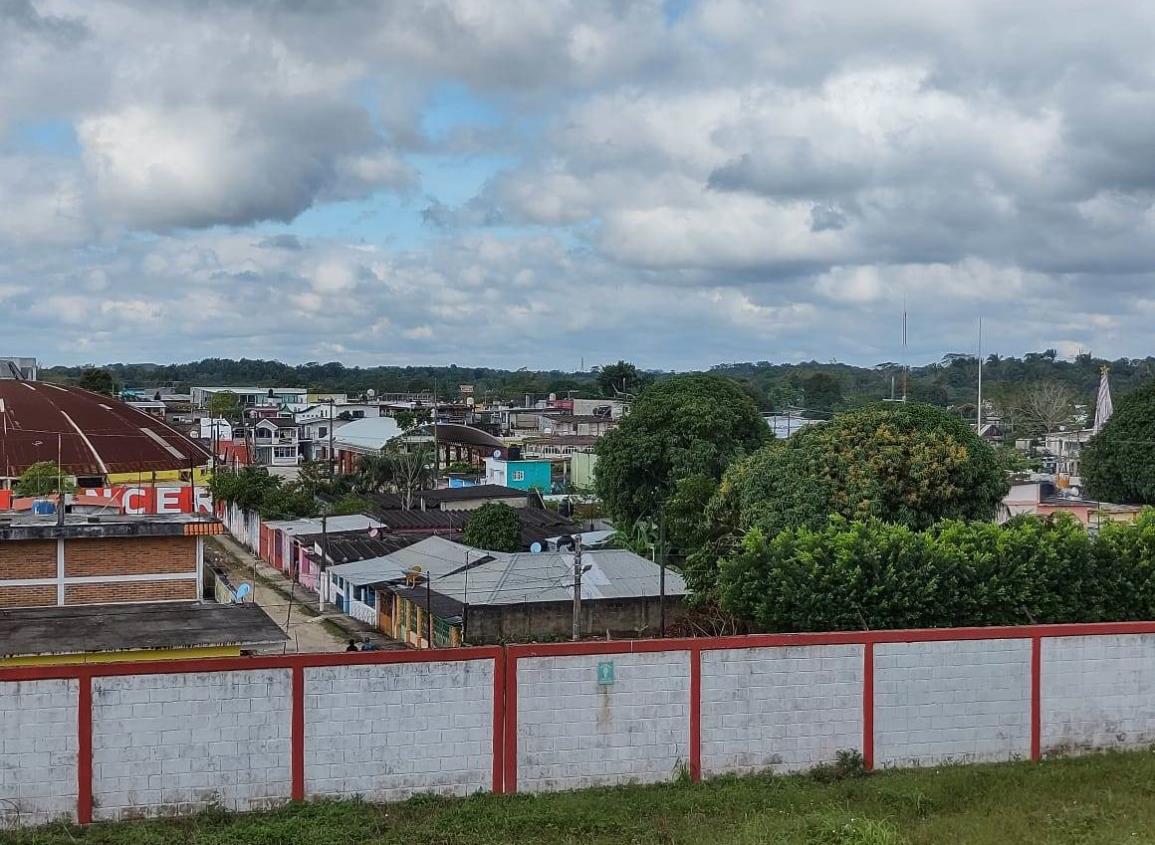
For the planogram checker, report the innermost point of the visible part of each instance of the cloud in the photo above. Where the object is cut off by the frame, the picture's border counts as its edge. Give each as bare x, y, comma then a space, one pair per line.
559, 181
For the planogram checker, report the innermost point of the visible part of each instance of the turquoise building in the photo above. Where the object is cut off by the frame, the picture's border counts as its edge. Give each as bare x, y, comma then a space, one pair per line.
534, 474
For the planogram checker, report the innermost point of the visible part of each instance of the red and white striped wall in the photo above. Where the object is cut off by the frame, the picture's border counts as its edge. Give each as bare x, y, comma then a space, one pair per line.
107, 741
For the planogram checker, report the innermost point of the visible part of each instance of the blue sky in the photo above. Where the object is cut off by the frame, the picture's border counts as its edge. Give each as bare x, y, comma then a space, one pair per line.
527, 183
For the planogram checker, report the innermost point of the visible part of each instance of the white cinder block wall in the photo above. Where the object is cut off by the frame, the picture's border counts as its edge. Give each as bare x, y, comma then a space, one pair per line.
166, 744
573, 732
782, 709
964, 701
38, 742
1097, 692
388, 731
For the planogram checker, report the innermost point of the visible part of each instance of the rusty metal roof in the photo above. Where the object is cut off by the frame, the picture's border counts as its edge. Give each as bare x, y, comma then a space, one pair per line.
95, 434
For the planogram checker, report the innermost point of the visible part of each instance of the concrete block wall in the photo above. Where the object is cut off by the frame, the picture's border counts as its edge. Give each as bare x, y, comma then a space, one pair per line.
175, 743
959, 702
779, 709
573, 732
390, 731
1097, 692
38, 751
119, 740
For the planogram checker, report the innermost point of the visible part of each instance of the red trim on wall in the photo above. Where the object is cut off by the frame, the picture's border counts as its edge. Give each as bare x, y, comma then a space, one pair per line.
499, 724
695, 714
245, 664
1036, 697
509, 779
868, 706
297, 732
84, 750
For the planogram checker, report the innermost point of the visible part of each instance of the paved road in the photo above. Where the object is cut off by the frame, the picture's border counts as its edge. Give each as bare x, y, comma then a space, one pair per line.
297, 616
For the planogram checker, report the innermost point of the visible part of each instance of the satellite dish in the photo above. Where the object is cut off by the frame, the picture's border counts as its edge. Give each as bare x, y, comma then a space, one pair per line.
243, 590
497, 453
370, 393
535, 548
374, 533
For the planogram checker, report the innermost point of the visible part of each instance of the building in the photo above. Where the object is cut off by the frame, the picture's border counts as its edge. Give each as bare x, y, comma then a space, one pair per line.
568, 425
25, 369
1066, 447
1041, 497
521, 473
152, 407
276, 442
101, 588
362, 437
99, 440
784, 425
478, 596
251, 396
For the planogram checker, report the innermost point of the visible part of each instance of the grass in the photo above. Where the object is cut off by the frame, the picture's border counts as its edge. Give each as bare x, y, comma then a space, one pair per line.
1106, 798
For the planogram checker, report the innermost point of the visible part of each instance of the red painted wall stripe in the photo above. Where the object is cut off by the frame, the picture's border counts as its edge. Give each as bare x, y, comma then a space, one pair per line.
297, 732
695, 714
1036, 697
499, 724
509, 781
868, 706
84, 750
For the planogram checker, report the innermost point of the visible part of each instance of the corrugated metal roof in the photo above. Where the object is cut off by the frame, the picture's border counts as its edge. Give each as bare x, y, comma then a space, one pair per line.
97, 434
518, 578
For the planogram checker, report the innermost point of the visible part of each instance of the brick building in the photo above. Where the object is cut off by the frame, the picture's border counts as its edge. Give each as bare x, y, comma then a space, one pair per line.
95, 589
102, 560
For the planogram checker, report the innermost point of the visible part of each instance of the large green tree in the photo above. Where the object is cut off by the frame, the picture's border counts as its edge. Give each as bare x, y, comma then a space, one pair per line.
903, 463
494, 527
680, 431
98, 380
1119, 462
622, 377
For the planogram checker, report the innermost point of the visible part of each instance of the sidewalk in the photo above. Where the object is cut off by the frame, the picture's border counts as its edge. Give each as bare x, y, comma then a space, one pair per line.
291, 606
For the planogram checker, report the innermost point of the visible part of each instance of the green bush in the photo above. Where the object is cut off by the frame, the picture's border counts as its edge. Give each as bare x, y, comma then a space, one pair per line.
876, 575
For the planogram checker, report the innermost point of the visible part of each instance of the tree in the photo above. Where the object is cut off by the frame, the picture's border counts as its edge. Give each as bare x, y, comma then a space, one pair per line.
622, 377
494, 527
350, 504
902, 463
42, 478
683, 426
98, 380
1118, 464
225, 405
823, 393
404, 470
1047, 405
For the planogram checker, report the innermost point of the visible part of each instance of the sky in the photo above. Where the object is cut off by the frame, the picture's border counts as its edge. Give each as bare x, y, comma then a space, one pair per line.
555, 184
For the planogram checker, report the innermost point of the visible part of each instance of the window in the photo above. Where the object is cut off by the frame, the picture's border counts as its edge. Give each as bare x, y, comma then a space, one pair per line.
322, 432
519, 475
284, 452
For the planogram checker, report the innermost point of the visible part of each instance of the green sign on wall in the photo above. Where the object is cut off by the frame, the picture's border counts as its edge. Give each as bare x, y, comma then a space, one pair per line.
606, 673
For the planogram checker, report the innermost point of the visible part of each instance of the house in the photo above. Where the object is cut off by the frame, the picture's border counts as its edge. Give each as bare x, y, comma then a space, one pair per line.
366, 436
250, 396
522, 473
1067, 449
563, 424
991, 432
275, 442
784, 425
280, 547
495, 597
114, 587
1042, 497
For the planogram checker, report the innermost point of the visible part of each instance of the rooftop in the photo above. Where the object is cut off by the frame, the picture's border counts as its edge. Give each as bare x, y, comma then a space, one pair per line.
28, 526
94, 434
131, 627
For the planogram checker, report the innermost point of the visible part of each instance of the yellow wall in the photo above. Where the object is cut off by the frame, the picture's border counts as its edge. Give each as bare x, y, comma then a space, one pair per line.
121, 656
199, 474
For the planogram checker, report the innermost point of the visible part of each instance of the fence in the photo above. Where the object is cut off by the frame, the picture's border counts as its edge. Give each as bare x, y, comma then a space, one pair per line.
109, 741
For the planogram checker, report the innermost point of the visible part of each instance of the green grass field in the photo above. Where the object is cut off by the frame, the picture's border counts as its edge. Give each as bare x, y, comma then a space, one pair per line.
1107, 798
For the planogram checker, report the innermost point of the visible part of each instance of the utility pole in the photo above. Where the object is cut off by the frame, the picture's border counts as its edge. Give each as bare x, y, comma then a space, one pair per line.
577, 587
59, 479
322, 577
662, 574
979, 418
429, 610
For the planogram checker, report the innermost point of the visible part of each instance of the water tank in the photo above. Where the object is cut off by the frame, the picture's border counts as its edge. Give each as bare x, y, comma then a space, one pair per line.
43, 507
